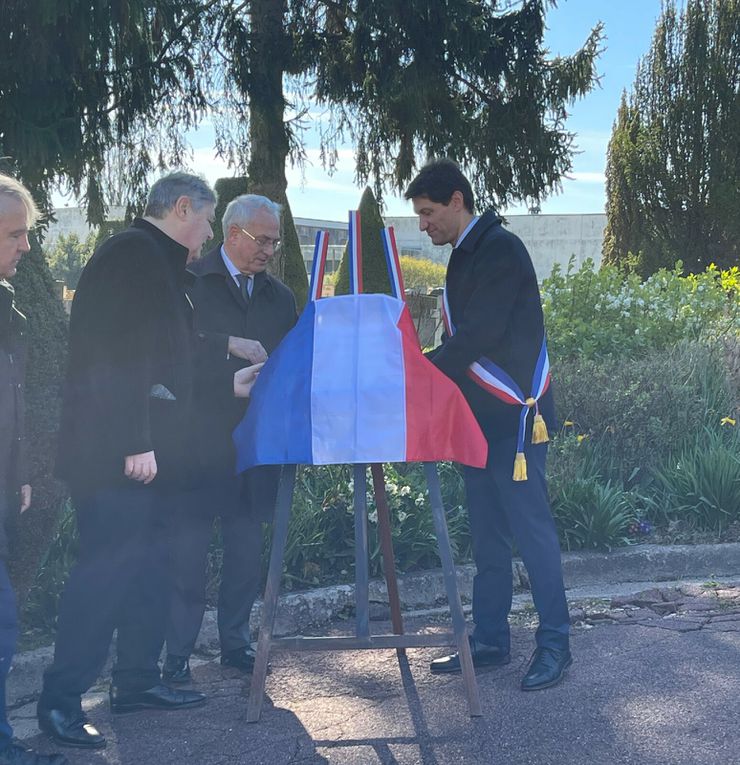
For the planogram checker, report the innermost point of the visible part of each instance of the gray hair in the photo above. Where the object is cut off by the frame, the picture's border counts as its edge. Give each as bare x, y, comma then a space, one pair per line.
9, 187
242, 210
167, 190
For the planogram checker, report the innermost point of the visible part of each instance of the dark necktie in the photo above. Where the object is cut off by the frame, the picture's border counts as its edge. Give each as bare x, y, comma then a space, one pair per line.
244, 287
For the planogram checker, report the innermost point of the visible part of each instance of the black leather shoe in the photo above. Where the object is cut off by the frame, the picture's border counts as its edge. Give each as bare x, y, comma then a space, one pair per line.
157, 697
176, 669
546, 668
241, 659
17, 754
483, 656
69, 729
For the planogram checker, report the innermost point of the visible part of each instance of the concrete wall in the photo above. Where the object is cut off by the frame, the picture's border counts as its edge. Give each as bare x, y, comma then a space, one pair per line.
550, 239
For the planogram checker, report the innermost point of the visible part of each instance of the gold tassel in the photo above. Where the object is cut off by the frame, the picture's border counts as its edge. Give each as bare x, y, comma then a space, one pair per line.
520, 467
539, 430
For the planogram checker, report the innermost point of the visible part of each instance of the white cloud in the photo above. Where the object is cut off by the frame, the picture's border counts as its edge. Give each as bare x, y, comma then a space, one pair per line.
586, 177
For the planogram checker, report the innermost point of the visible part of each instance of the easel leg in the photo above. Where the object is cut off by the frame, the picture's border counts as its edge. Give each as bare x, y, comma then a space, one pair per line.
272, 590
362, 573
453, 595
386, 547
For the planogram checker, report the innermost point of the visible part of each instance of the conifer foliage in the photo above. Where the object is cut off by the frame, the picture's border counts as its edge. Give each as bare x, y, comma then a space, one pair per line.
673, 171
37, 298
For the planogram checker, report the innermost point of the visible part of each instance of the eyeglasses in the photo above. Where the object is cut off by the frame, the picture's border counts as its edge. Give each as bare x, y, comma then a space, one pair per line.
262, 241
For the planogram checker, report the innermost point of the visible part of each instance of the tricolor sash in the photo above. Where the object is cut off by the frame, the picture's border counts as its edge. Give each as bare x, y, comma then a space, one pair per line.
494, 380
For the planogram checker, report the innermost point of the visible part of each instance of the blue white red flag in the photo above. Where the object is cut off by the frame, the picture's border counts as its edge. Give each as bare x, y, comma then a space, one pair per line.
392, 261
318, 265
349, 384
354, 250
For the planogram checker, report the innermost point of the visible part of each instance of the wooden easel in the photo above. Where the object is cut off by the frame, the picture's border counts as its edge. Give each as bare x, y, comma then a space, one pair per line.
362, 638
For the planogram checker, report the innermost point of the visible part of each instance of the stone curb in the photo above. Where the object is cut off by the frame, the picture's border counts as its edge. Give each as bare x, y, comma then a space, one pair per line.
312, 609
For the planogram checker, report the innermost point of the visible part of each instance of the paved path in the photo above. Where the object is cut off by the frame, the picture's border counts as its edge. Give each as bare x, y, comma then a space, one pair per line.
656, 681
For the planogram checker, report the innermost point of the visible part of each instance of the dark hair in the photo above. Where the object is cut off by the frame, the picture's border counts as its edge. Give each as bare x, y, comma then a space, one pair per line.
439, 180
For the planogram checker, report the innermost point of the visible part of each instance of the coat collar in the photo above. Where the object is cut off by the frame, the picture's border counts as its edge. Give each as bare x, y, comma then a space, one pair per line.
488, 220
177, 254
9, 314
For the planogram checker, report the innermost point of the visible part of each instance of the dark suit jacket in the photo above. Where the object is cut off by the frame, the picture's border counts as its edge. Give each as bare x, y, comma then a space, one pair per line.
13, 449
221, 311
495, 304
130, 375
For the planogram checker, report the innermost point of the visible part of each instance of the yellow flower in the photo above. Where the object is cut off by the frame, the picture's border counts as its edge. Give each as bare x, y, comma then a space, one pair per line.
727, 421
581, 437
568, 424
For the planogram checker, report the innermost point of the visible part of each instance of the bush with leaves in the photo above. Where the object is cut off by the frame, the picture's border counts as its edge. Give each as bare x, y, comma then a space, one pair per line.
68, 256
701, 483
593, 314
421, 274
639, 409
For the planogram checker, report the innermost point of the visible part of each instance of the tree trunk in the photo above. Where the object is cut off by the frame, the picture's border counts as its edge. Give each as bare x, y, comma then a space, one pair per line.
268, 137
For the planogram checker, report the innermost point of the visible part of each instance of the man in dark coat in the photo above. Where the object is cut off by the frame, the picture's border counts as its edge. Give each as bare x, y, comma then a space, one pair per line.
17, 214
241, 313
124, 452
495, 324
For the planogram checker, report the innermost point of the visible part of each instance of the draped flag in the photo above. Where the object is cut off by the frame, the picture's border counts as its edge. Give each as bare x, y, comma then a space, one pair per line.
354, 246
394, 264
318, 266
349, 384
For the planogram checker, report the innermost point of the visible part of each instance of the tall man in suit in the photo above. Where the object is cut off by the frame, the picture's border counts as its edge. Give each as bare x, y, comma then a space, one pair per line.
241, 313
18, 213
124, 452
494, 318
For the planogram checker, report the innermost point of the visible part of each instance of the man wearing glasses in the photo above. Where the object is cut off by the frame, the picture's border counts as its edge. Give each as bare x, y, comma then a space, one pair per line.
241, 314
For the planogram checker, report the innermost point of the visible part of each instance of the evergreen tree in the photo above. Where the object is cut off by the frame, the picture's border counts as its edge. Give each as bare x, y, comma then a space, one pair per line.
673, 174
460, 78
37, 298
226, 190
374, 268
83, 77
68, 257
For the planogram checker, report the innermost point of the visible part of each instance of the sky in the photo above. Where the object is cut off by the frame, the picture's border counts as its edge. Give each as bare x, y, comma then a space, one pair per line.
628, 26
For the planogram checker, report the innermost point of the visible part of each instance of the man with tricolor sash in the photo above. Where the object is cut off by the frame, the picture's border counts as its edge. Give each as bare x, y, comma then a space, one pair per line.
494, 348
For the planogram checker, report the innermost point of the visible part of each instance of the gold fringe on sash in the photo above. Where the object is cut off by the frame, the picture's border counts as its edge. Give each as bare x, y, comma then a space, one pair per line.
520, 467
539, 430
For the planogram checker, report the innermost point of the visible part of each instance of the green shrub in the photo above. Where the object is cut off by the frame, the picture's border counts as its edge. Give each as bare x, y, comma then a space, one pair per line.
38, 299
421, 274
595, 314
635, 411
701, 484
40, 611
592, 515
68, 256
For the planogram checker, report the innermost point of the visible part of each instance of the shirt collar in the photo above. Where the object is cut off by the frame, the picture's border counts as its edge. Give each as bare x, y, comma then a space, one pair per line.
468, 228
230, 267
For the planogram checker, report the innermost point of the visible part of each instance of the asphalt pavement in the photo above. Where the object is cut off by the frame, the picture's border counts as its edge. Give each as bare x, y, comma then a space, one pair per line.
655, 681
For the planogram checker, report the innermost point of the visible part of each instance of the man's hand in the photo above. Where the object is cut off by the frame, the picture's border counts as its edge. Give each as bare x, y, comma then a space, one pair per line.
244, 380
249, 350
25, 497
141, 467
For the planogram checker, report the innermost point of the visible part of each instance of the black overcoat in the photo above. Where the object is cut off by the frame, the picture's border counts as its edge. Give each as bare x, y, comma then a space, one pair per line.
13, 448
496, 308
220, 311
130, 375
